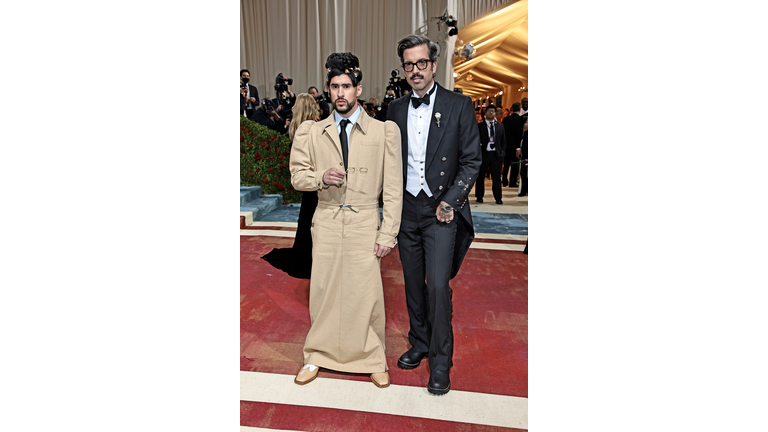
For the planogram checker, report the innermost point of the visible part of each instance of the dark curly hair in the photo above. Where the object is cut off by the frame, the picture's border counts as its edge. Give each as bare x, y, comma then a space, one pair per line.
344, 63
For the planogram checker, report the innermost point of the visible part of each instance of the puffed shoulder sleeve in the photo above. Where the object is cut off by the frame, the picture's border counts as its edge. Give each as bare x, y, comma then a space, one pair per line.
303, 174
392, 193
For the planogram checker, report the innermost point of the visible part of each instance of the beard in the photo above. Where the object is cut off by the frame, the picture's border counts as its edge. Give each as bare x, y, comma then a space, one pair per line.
343, 110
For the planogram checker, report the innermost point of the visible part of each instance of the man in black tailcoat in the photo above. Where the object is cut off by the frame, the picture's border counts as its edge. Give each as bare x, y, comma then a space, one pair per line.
441, 160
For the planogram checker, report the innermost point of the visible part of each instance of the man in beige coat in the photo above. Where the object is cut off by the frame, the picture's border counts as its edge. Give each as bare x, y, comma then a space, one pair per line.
349, 158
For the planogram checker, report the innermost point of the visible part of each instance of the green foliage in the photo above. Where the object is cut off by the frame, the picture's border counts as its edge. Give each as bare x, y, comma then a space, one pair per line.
262, 152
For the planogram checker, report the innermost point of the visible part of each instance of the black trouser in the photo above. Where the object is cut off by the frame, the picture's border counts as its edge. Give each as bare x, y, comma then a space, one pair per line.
490, 159
510, 170
426, 253
524, 176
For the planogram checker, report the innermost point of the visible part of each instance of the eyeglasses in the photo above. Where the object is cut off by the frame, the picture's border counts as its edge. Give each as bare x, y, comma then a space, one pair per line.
421, 64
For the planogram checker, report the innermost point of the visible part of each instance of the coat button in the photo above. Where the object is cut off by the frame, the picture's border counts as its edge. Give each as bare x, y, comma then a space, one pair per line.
442, 173
341, 163
441, 188
443, 158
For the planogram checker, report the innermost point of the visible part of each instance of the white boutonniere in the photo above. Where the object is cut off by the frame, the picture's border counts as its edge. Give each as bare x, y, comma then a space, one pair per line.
437, 117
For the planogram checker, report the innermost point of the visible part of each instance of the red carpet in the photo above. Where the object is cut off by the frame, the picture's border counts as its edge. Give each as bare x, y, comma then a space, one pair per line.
490, 324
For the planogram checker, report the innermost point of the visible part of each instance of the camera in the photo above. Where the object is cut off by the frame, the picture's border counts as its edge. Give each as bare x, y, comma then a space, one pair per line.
282, 83
284, 98
322, 97
387, 98
267, 105
394, 83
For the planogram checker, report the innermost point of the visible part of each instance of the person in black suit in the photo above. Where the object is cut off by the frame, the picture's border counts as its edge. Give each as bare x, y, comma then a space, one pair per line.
513, 127
522, 154
441, 161
493, 143
249, 96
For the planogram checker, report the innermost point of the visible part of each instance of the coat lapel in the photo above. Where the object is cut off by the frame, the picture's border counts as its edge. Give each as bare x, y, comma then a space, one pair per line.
436, 133
401, 118
329, 130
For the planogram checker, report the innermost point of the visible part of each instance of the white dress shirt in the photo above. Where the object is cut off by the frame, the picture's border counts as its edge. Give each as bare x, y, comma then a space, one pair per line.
491, 140
419, 120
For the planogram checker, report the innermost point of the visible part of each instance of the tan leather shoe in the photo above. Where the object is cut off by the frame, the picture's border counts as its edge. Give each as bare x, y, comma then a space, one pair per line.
381, 380
306, 374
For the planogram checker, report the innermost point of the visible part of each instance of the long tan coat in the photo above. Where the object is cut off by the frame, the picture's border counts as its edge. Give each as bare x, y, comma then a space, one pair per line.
346, 298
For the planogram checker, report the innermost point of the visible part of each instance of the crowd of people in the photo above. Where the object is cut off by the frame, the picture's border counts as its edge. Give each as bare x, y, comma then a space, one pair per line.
420, 152
504, 138
505, 165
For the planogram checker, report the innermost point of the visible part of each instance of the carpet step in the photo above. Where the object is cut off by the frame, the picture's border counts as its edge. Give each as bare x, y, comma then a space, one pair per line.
249, 193
262, 205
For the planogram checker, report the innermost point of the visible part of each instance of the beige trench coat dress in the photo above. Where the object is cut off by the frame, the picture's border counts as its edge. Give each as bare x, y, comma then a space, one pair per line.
346, 298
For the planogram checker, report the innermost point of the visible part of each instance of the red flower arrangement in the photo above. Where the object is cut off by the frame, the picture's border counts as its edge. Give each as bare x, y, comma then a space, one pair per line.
275, 183
266, 180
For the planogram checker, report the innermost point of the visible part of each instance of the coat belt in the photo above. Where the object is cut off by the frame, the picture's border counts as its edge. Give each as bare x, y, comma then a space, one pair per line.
354, 207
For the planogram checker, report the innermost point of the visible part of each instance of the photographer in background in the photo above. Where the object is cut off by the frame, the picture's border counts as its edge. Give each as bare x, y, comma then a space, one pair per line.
320, 98
370, 108
267, 115
285, 98
249, 96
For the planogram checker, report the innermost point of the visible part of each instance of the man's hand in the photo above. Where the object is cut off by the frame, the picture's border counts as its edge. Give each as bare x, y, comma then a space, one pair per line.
519, 154
381, 250
443, 215
334, 176
252, 100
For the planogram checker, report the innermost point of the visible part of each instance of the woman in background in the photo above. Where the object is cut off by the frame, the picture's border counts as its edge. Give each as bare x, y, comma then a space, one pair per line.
297, 260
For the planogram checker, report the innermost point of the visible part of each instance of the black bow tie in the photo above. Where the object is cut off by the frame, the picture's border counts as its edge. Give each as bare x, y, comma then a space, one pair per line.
423, 100
418, 101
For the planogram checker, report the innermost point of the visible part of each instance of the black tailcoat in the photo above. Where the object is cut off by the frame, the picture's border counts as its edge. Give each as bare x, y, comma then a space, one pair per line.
453, 155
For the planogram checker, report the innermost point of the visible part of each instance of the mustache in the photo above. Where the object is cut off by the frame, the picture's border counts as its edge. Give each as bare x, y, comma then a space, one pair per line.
417, 75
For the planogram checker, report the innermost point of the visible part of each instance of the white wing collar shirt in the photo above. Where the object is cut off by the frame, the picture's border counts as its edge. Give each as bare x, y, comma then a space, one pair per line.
419, 120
